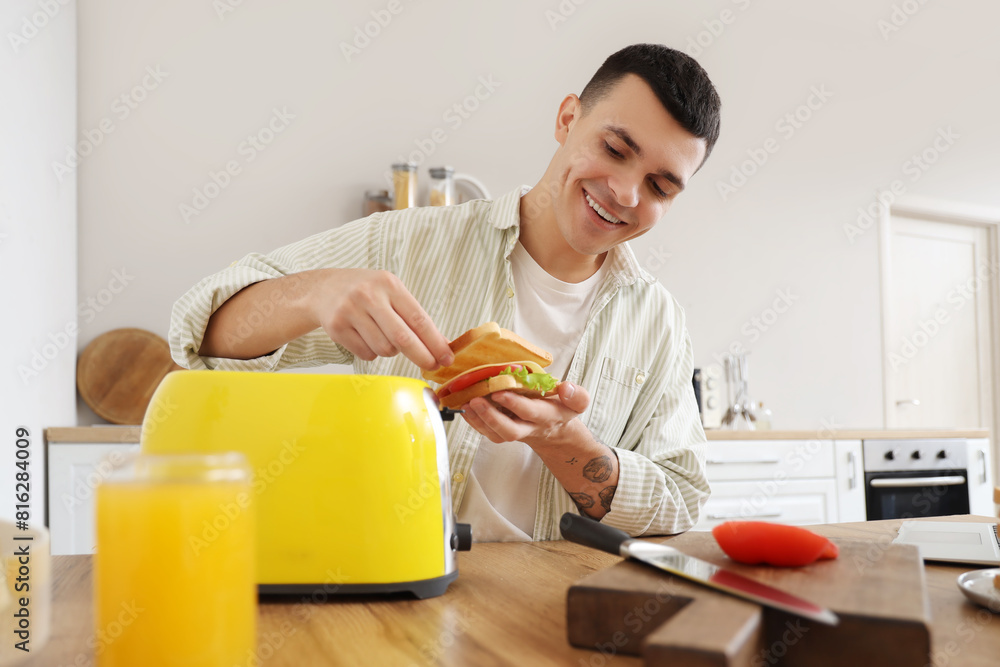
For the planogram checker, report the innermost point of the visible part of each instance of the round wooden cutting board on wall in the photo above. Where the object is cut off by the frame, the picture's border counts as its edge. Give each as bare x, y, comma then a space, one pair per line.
118, 372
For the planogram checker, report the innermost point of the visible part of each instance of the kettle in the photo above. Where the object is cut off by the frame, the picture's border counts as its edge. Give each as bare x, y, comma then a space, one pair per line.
472, 185
351, 476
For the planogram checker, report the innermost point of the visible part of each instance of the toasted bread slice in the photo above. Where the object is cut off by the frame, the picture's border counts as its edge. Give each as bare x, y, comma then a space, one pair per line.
487, 344
487, 387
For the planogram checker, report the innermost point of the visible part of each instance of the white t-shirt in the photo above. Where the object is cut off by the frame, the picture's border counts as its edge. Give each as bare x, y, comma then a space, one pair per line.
501, 497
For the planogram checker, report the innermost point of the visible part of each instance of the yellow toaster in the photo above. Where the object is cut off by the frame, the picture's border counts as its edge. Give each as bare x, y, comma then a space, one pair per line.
351, 476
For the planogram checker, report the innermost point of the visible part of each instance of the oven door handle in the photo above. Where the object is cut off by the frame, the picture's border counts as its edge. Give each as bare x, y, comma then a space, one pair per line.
905, 482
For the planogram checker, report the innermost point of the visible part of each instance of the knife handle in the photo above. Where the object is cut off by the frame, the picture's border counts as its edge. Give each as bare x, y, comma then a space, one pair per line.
591, 533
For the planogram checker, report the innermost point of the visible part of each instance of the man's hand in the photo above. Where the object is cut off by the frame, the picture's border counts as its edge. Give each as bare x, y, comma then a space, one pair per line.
537, 422
372, 314
586, 468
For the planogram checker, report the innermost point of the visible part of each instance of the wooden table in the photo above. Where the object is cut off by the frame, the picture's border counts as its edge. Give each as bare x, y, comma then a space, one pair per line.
508, 606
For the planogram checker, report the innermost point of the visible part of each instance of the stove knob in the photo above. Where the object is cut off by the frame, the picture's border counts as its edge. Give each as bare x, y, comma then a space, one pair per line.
890, 455
915, 455
711, 403
942, 454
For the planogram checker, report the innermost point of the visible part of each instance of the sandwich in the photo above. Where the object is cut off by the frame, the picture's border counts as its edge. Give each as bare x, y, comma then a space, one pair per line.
490, 359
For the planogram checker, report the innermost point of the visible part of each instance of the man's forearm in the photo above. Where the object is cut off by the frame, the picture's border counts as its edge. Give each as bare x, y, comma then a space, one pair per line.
586, 468
260, 318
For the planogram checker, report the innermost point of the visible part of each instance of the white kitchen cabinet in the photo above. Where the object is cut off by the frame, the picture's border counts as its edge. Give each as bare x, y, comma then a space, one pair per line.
769, 459
849, 473
980, 484
797, 482
797, 502
74, 471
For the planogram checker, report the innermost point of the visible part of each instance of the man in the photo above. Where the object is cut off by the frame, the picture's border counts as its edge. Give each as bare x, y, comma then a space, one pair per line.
623, 443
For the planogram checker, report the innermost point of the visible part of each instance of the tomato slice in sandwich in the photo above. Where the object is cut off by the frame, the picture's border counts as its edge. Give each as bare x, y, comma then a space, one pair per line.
472, 377
480, 373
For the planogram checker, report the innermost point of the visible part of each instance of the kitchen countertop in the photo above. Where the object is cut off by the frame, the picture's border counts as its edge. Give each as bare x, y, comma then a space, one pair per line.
850, 434
508, 606
103, 433
128, 434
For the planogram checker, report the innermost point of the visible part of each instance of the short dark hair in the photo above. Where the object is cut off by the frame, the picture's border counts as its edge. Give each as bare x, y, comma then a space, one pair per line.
680, 83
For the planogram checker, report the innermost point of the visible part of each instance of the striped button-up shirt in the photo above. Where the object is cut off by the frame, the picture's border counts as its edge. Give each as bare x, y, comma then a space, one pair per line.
634, 358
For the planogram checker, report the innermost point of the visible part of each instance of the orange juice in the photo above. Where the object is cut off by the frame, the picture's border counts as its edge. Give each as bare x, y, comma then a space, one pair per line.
174, 571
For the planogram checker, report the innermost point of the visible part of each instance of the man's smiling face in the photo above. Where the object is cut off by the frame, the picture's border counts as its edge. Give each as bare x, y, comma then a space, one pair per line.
619, 167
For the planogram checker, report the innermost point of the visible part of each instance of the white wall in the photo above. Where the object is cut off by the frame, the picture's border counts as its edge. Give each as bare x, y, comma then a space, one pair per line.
37, 235
224, 73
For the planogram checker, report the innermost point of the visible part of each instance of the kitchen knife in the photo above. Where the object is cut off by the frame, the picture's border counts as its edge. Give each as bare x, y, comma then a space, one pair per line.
594, 534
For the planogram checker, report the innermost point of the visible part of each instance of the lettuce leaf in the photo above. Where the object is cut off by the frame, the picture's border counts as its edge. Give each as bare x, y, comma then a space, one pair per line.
542, 382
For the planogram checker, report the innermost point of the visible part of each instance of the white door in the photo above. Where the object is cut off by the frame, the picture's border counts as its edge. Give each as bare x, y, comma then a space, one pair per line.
936, 324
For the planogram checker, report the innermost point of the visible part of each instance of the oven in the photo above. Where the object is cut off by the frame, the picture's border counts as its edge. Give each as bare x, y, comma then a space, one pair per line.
916, 478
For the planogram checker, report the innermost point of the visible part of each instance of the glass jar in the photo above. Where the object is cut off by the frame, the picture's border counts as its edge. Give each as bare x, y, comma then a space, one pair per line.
176, 539
763, 416
404, 183
376, 201
443, 192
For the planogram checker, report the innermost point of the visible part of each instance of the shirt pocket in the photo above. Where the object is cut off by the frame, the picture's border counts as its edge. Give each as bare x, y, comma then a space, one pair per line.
613, 401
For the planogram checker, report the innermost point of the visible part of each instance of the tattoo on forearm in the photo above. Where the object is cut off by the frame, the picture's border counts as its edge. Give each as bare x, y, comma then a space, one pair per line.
582, 500
607, 494
598, 470
572, 461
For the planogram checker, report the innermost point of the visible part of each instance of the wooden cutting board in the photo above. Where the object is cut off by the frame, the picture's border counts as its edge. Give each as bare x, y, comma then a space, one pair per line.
118, 372
876, 589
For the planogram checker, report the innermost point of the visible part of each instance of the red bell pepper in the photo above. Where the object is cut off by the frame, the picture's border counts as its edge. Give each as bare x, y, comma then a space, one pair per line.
755, 542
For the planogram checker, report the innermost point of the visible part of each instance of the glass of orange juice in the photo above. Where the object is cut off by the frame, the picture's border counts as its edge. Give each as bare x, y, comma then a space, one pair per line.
174, 570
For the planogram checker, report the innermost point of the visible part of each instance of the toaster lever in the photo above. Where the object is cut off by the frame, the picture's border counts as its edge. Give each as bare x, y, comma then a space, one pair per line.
461, 539
447, 414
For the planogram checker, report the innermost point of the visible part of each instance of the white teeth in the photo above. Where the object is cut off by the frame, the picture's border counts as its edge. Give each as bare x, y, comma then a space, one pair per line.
600, 211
